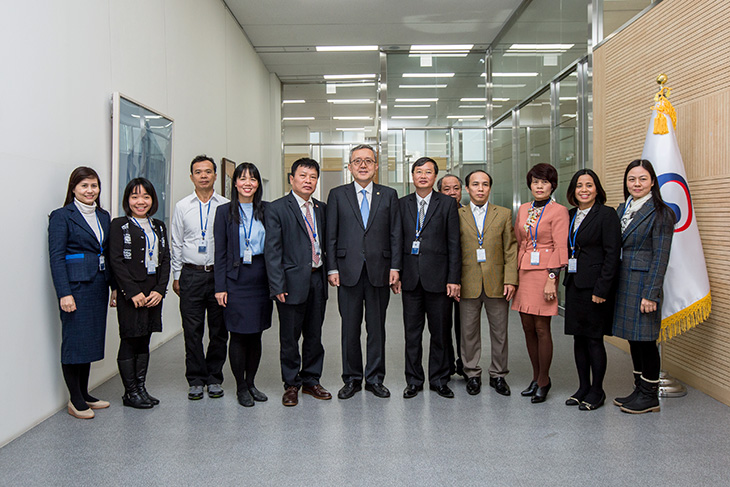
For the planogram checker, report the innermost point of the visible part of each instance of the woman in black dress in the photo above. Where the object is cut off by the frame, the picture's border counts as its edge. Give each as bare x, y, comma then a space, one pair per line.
594, 244
241, 284
140, 260
77, 240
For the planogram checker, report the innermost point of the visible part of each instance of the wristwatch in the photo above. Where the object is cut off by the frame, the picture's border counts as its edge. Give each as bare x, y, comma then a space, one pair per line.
552, 275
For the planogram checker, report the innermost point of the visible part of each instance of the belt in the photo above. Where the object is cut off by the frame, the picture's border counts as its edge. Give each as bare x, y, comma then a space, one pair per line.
206, 268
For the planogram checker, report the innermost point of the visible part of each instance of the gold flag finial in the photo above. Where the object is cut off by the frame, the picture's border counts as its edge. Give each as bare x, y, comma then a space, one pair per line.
662, 106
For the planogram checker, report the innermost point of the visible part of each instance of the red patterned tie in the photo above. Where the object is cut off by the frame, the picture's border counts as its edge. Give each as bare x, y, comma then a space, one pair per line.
310, 226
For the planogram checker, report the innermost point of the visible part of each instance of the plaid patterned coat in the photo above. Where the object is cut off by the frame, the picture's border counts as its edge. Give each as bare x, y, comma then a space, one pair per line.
645, 254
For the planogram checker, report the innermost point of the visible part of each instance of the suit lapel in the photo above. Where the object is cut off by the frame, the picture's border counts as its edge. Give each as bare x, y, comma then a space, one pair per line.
641, 215
375, 202
432, 208
294, 207
79, 219
491, 215
588, 218
351, 196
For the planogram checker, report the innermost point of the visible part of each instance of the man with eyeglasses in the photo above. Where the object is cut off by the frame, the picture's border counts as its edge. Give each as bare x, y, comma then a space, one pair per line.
430, 278
364, 258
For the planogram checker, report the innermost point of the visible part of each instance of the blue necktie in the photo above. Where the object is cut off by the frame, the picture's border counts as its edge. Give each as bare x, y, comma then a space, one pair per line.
364, 208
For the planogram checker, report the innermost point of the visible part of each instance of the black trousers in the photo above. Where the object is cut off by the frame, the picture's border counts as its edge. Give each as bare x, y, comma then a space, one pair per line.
350, 301
197, 295
418, 305
303, 321
454, 351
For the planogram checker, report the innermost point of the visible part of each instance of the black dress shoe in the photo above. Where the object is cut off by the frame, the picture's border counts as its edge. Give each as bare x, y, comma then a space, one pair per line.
411, 390
474, 385
349, 389
443, 391
589, 405
378, 389
576, 398
531, 389
541, 393
500, 385
257, 395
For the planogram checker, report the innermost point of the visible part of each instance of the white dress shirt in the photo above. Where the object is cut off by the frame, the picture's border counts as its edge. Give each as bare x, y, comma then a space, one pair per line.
186, 232
369, 192
479, 213
312, 222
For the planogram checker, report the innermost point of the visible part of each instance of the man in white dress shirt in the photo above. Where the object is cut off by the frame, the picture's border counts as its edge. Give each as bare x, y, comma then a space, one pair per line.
192, 271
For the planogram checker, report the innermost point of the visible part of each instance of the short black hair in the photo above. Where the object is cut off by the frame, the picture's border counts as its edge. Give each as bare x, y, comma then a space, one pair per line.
132, 186
543, 171
304, 162
258, 207
600, 193
201, 158
438, 183
422, 161
468, 176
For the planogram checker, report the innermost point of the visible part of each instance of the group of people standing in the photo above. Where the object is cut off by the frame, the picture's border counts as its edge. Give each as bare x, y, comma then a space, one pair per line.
232, 260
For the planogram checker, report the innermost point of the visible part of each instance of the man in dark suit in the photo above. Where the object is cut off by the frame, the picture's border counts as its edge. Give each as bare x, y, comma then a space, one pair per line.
430, 277
295, 265
364, 240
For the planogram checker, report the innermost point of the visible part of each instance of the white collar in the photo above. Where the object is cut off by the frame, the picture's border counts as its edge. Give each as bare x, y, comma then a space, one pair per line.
368, 189
427, 199
477, 209
300, 200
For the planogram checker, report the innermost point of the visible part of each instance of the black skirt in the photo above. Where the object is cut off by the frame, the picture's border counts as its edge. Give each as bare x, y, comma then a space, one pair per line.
249, 307
84, 330
583, 317
137, 322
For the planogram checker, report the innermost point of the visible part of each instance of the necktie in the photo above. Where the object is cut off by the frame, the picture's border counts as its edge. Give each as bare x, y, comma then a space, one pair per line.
422, 214
364, 208
310, 226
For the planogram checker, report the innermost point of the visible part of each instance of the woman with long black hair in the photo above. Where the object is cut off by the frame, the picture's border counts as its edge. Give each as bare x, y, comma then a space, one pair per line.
241, 283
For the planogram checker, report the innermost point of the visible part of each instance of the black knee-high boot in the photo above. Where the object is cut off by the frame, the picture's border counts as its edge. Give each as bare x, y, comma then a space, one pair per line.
131, 396
142, 361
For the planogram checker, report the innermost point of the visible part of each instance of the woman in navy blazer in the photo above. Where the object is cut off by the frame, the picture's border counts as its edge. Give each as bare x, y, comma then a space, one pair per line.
594, 243
647, 227
241, 283
77, 237
140, 260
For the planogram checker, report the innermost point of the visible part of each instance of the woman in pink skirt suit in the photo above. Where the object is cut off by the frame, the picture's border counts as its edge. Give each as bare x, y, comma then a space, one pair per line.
541, 229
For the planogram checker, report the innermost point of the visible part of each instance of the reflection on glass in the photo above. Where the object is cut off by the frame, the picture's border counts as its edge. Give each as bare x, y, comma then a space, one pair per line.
502, 185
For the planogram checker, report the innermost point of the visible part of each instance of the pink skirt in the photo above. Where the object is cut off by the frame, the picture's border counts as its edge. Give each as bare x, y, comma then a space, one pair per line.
530, 295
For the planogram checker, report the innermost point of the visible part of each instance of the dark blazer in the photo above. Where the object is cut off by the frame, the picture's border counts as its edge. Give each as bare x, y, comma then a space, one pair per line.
597, 248
73, 247
288, 250
127, 247
645, 245
439, 260
227, 245
350, 245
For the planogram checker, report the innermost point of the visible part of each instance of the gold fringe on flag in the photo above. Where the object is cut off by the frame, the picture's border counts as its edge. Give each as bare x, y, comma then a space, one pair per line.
662, 105
685, 319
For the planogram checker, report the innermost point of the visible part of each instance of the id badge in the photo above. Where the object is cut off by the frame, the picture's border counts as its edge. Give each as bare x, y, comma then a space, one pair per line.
151, 267
202, 247
415, 247
247, 256
102, 263
481, 255
317, 249
572, 265
535, 257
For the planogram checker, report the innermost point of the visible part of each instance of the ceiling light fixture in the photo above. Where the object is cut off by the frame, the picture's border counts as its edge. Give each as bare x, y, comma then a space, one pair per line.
345, 48
473, 99
512, 75
348, 76
472, 106
352, 118
416, 100
290, 119
411, 106
428, 75
409, 117
441, 47
473, 117
540, 47
422, 86
364, 84
345, 129
352, 101
293, 101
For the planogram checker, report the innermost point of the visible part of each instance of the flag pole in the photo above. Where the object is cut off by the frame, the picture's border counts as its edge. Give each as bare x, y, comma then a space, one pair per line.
668, 385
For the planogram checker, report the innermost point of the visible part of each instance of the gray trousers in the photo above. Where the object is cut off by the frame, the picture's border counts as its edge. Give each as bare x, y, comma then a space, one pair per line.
471, 334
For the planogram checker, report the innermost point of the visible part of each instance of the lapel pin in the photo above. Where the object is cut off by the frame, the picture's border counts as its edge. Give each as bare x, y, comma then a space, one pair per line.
378, 193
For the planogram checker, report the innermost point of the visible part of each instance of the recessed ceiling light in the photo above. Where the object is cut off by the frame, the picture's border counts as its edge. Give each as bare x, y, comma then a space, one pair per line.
441, 54
411, 106
472, 106
422, 86
513, 75
422, 100
345, 129
352, 118
409, 117
293, 101
346, 48
353, 85
348, 76
568, 98
473, 99
501, 85
473, 117
500, 99
540, 47
288, 119
353, 101
428, 75
442, 47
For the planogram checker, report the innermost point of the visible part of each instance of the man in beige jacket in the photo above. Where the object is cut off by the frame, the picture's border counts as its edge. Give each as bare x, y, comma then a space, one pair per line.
489, 278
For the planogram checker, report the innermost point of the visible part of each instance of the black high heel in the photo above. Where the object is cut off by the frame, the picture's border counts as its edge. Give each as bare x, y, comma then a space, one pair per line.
531, 389
590, 406
541, 393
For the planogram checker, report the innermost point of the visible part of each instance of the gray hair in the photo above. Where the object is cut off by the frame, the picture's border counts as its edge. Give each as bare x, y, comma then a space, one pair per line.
438, 184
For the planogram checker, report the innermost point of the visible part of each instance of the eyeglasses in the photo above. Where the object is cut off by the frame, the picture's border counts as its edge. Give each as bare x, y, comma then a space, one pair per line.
360, 162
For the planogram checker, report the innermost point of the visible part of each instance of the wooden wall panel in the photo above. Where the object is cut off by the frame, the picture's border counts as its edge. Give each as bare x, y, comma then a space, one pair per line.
687, 40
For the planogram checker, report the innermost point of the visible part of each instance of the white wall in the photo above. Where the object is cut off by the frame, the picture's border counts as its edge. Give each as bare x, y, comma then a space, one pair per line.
61, 62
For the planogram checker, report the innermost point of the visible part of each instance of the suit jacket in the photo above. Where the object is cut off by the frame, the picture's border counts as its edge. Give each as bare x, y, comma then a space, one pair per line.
127, 247
646, 243
288, 250
439, 259
228, 245
351, 245
552, 237
73, 248
501, 249
597, 248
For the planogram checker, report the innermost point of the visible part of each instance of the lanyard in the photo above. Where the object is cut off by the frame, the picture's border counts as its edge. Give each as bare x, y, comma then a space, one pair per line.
203, 229
313, 229
246, 235
571, 236
101, 234
533, 236
480, 236
626, 205
151, 249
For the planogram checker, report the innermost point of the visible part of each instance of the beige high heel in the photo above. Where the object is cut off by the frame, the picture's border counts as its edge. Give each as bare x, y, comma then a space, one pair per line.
86, 414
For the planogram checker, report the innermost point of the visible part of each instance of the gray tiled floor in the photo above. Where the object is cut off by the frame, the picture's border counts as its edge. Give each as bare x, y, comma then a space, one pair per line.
470, 440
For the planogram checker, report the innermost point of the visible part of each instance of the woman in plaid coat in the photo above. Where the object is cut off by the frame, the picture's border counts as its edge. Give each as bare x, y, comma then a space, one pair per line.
647, 226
